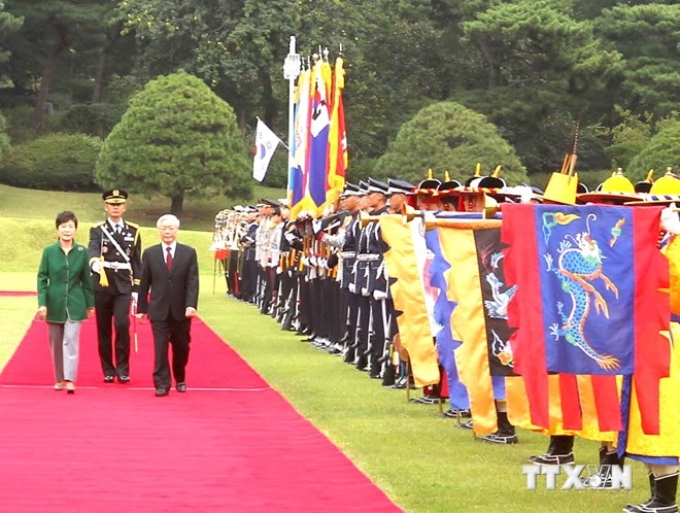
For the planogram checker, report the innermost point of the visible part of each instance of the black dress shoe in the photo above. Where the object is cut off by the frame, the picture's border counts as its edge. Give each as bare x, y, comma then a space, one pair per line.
182, 387
109, 379
123, 378
162, 392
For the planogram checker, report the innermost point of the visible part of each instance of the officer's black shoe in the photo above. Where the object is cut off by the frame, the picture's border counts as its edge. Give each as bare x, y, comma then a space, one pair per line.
349, 356
552, 459
499, 438
456, 414
389, 376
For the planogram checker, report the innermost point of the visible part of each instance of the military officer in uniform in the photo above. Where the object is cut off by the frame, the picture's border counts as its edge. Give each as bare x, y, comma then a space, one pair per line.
115, 258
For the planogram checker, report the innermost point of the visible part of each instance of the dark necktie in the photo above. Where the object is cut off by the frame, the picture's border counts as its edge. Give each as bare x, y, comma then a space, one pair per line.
168, 260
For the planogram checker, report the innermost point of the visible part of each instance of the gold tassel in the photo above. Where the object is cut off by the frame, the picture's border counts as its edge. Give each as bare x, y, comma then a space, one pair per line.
103, 279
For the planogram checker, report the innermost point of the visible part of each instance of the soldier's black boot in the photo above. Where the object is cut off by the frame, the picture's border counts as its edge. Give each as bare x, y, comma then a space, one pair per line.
350, 355
560, 451
608, 460
375, 367
505, 433
635, 508
389, 377
663, 490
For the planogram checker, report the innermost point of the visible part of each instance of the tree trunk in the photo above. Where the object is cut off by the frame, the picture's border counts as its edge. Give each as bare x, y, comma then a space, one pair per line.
177, 205
270, 104
493, 61
111, 37
63, 42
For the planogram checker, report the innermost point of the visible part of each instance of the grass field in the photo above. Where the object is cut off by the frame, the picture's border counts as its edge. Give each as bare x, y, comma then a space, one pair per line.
421, 460
198, 214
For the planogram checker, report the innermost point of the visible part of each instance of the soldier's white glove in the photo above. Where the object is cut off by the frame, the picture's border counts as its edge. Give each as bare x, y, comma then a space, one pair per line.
96, 267
364, 291
352, 288
290, 237
317, 226
379, 294
135, 297
670, 222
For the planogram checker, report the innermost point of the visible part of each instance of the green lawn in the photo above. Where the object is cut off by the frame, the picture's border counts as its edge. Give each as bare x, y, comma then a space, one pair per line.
421, 460
198, 214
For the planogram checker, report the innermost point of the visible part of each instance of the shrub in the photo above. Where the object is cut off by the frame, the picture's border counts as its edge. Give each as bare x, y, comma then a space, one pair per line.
446, 136
57, 162
661, 152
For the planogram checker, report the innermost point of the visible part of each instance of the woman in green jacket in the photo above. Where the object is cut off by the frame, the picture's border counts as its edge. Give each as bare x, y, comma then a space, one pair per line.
65, 298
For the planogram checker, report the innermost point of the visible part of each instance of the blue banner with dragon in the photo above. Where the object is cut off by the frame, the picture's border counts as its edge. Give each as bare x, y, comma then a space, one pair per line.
588, 288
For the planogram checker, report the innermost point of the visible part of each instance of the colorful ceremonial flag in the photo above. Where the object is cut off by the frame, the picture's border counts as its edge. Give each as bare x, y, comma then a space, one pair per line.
405, 261
477, 285
319, 129
447, 343
589, 301
317, 176
298, 176
266, 142
337, 138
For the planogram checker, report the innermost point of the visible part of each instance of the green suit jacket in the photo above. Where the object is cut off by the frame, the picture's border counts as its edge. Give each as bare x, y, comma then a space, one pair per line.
64, 283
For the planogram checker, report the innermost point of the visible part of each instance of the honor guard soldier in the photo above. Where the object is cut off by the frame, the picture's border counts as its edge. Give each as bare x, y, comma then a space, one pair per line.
346, 240
371, 282
115, 249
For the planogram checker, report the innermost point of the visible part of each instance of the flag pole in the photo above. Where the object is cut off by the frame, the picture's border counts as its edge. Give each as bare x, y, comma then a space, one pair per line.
291, 71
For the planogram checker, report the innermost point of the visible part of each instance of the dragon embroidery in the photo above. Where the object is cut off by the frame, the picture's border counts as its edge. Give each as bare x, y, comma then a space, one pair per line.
579, 265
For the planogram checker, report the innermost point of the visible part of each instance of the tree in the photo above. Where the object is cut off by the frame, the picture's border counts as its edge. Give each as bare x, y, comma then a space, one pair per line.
660, 153
629, 137
446, 136
545, 71
8, 25
176, 139
52, 30
647, 38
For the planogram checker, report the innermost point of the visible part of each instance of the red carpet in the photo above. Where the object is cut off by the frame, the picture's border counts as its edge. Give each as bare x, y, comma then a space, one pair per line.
230, 444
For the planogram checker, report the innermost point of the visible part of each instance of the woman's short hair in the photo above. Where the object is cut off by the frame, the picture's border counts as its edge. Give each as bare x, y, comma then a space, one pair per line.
168, 218
65, 217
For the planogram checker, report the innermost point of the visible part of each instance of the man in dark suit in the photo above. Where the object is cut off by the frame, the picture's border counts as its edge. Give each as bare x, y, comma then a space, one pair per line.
170, 272
115, 250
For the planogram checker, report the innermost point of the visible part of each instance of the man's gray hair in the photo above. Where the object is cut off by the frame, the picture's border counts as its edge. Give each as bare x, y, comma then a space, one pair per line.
167, 218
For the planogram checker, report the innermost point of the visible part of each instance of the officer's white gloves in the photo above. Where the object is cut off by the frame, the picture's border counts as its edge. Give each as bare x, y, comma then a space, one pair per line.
379, 294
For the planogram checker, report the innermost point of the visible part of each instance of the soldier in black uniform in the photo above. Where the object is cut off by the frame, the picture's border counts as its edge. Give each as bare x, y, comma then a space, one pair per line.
249, 260
346, 240
115, 258
371, 282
